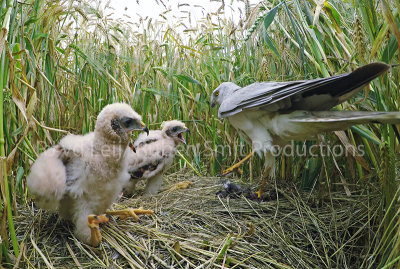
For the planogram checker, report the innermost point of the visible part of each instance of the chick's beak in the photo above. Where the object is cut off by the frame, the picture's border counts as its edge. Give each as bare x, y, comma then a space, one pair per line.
180, 136
212, 104
145, 129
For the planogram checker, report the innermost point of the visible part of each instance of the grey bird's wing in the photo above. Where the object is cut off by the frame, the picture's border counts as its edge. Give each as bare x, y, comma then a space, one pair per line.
311, 95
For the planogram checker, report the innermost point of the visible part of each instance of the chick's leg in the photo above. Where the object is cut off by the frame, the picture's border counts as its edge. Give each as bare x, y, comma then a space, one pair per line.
129, 212
236, 167
93, 223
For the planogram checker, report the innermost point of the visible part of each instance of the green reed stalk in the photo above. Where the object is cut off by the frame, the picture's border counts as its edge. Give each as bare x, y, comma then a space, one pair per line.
3, 85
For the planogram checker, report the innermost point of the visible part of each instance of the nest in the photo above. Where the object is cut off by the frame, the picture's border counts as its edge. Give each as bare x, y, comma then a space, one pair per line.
196, 228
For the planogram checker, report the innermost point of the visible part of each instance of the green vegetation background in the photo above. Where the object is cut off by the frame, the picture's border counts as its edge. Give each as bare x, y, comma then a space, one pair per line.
61, 62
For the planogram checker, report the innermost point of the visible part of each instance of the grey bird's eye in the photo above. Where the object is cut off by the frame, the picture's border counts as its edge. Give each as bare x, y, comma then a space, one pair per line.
174, 129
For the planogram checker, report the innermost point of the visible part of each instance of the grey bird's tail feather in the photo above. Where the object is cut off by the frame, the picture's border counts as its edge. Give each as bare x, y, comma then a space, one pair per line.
326, 121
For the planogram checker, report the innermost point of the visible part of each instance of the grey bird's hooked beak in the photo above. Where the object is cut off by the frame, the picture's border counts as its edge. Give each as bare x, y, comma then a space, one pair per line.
213, 101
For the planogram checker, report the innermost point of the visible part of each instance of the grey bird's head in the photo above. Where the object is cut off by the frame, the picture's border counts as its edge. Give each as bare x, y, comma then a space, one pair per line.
175, 130
117, 120
221, 92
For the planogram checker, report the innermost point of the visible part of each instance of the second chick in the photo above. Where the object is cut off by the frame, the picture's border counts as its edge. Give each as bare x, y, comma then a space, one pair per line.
154, 155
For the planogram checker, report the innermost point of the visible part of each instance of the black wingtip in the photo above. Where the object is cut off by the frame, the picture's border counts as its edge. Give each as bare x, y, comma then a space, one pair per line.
364, 74
372, 70
342, 87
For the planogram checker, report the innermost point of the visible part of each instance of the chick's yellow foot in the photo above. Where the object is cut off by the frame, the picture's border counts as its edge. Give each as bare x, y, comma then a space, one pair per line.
181, 185
93, 223
130, 212
236, 167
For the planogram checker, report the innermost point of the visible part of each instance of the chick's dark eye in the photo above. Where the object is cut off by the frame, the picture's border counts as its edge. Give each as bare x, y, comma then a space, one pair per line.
216, 93
127, 121
174, 129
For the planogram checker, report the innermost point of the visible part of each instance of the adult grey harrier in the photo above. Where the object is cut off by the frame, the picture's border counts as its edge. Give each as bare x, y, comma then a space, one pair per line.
270, 114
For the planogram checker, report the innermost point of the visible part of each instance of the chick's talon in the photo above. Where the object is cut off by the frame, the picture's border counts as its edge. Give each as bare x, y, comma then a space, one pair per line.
180, 186
183, 185
93, 223
132, 146
130, 212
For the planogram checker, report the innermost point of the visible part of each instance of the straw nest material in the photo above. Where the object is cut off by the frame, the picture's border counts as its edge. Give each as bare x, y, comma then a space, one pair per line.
194, 228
